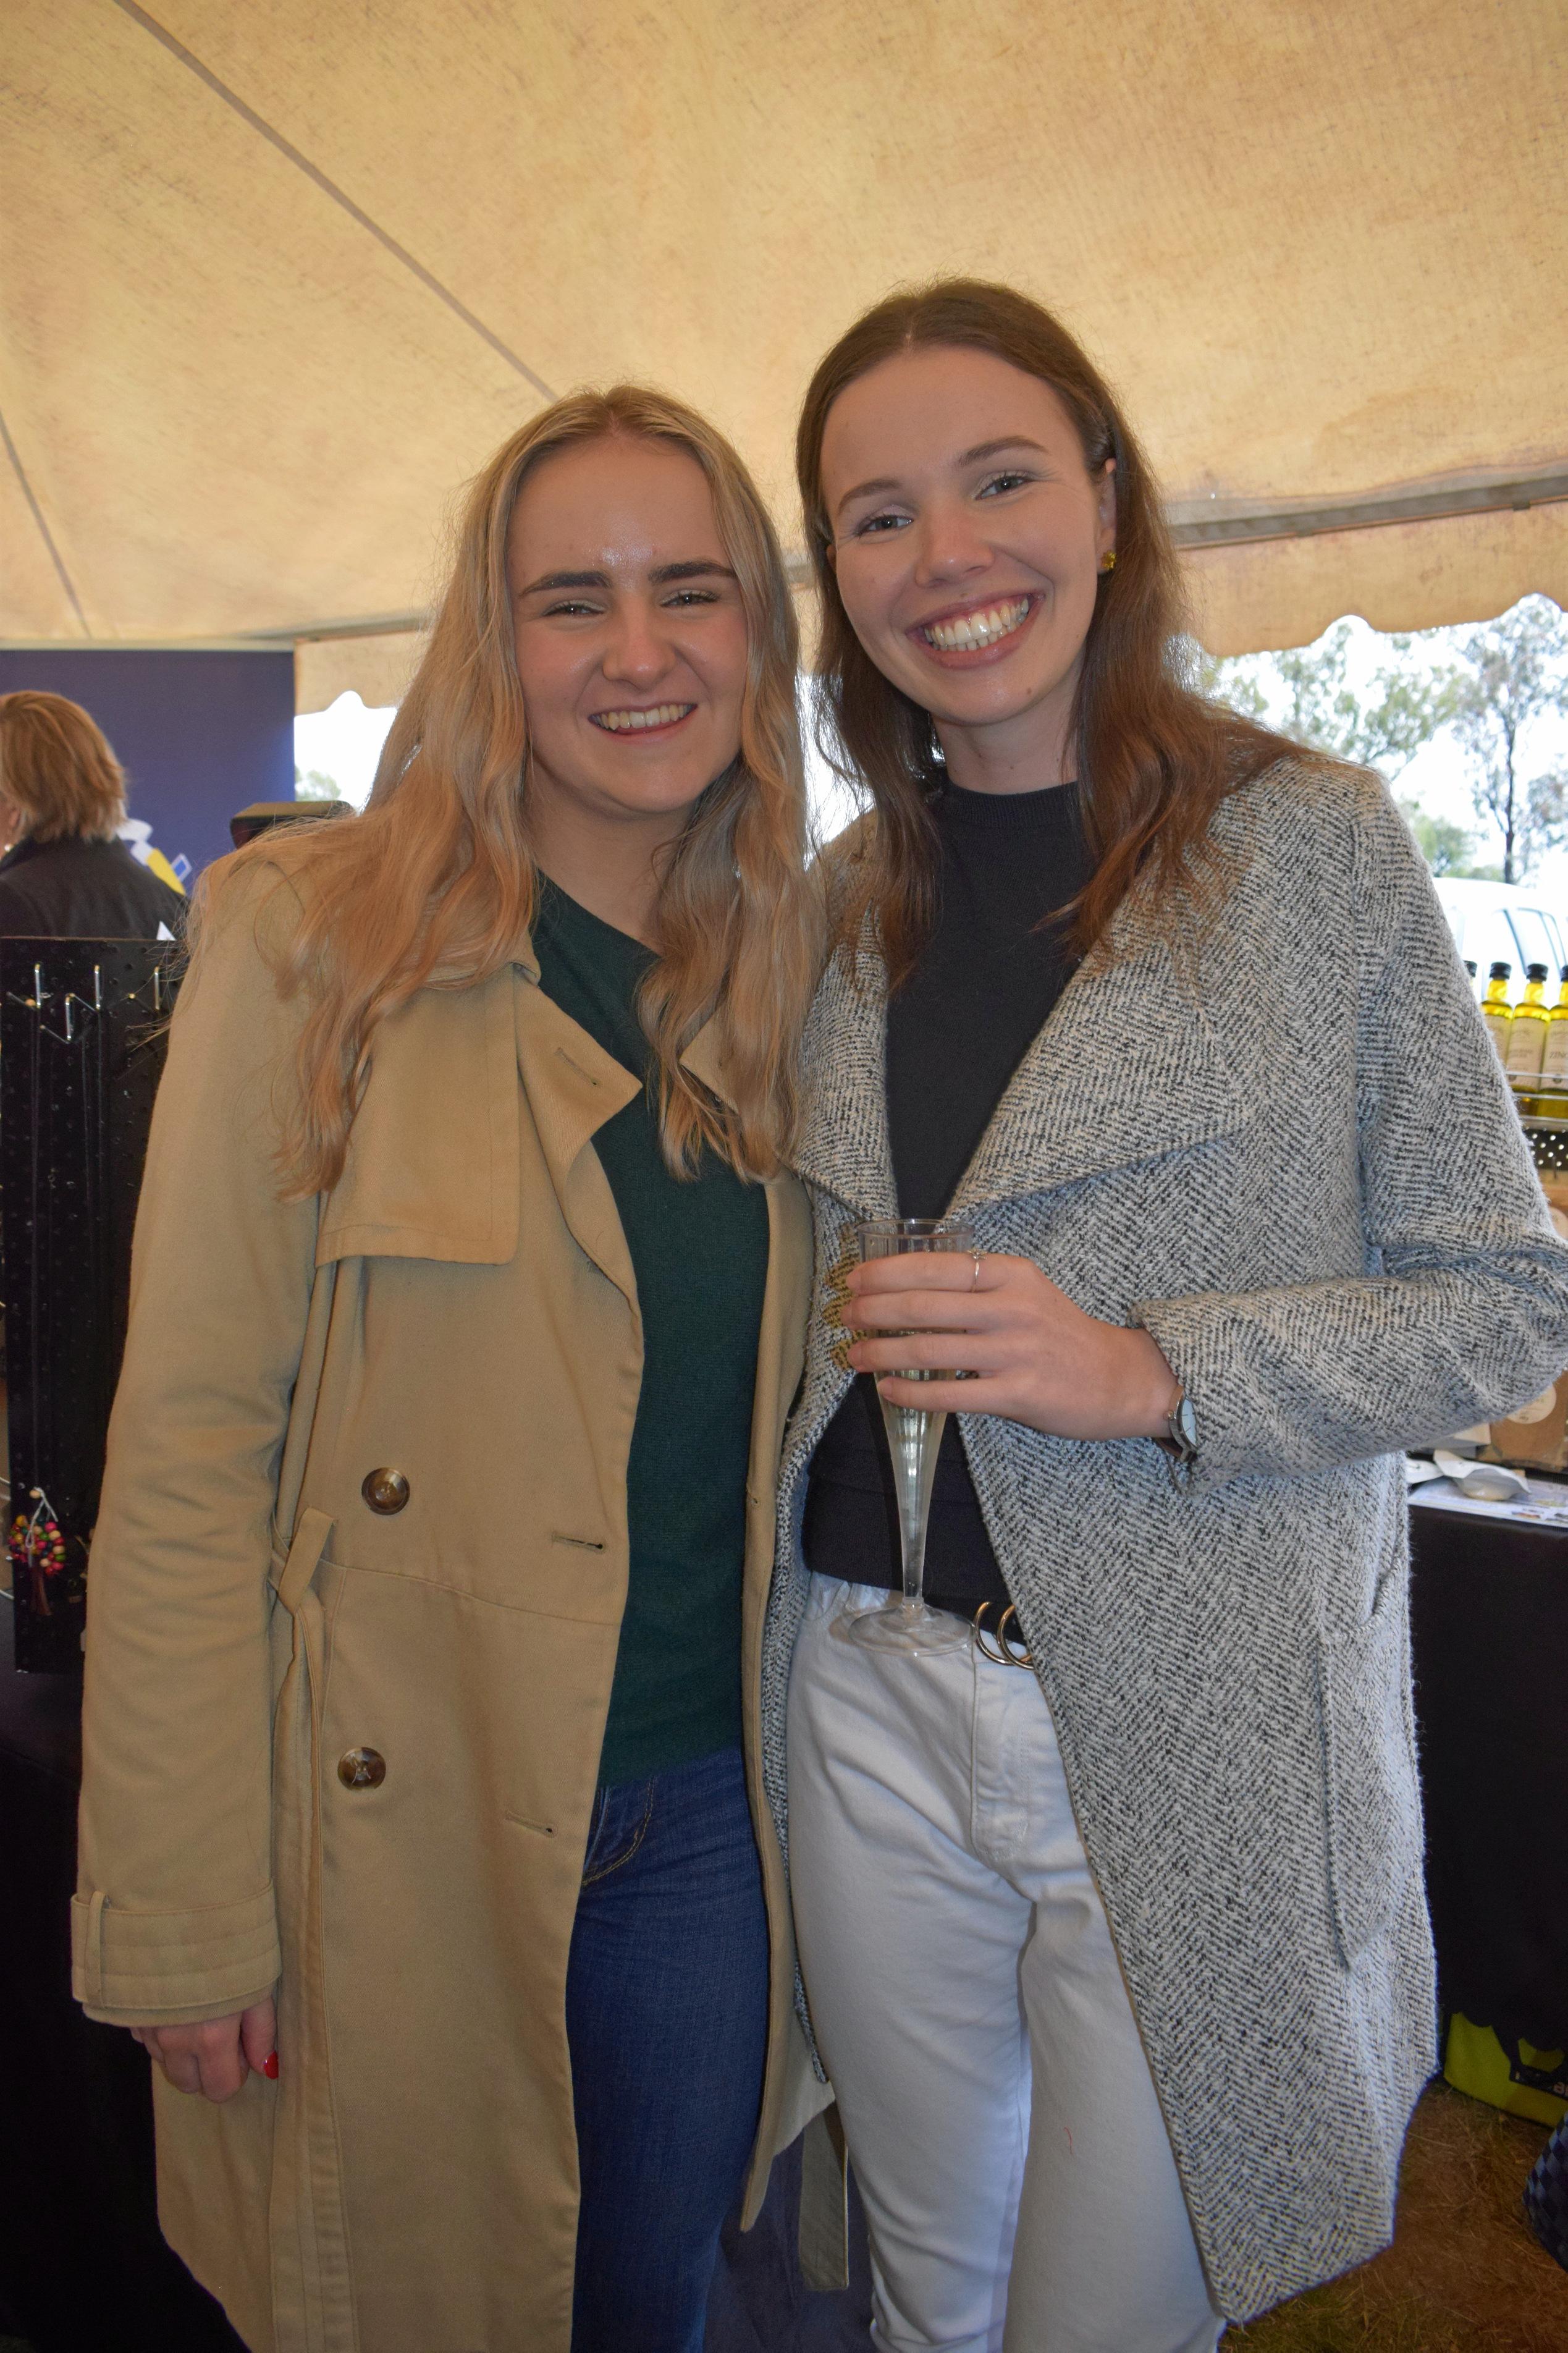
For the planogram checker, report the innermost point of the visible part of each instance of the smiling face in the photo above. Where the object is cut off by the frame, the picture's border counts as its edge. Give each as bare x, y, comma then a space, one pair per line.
630, 634
968, 539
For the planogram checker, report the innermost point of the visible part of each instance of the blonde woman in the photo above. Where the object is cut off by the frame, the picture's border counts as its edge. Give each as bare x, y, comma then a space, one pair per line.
420, 1841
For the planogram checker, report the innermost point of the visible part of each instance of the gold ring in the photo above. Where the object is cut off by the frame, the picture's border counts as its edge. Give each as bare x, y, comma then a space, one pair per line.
974, 1279
1004, 1655
1022, 1656
981, 1644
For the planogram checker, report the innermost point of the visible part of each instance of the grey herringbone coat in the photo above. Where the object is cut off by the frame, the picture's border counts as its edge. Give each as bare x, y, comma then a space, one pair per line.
1300, 1169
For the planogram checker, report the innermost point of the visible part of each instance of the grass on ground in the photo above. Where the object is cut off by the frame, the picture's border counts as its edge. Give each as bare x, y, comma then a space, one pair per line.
1464, 2273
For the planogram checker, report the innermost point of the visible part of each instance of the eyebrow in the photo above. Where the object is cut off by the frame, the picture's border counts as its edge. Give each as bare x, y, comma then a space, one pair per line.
698, 568
977, 456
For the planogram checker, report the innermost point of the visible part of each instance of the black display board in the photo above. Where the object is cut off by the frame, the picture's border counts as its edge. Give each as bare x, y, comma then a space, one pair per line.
82, 1029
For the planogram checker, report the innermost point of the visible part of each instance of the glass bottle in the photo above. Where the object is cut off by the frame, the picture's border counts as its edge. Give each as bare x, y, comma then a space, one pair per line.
1555, 1061
1496, 1010
1527, 1031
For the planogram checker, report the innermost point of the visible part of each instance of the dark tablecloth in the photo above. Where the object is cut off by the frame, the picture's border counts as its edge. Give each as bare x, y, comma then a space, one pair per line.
1490, 1632
83, 2266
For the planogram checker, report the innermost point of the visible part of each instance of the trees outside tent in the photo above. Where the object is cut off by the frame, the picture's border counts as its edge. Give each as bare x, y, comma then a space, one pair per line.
1498, 694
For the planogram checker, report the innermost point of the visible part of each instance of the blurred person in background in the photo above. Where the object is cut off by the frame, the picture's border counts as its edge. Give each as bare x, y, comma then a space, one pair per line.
65, 874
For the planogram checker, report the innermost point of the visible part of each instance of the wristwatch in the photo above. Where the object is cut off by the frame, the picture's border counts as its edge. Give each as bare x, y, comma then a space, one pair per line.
1180, 1442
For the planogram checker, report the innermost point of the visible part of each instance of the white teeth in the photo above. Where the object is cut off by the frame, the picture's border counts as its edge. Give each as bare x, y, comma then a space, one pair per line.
971, 631
623, 722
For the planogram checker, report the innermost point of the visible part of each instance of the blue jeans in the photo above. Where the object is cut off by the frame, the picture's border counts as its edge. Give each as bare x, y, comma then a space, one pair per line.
666, 2000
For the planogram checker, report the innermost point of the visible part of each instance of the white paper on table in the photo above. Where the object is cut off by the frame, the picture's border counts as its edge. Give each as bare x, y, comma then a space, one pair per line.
1545, 1506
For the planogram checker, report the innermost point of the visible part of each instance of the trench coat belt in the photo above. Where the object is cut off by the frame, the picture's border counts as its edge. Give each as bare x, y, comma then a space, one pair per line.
310, 1543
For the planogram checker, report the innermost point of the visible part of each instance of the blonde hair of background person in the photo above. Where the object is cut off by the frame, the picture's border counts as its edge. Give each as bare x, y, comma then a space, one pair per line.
437, 880
388, 1438
58, 775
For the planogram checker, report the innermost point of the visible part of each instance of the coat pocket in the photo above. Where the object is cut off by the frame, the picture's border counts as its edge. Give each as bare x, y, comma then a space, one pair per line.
1373, 1803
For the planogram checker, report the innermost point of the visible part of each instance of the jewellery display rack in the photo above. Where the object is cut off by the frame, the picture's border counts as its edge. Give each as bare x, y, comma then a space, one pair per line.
82, 1027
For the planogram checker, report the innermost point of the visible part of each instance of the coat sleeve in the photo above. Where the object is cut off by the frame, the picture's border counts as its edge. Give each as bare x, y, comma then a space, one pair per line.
1463, 1312
173, 1919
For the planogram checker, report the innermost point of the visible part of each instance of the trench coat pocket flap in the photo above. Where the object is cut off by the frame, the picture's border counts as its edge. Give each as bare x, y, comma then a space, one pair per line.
1373, 1811
311, 1535
140, 1967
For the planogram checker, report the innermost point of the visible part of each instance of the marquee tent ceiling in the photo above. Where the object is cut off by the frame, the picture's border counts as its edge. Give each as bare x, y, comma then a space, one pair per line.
277, 277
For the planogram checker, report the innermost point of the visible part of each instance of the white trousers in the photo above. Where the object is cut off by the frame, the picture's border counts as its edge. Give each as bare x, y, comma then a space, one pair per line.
1001, 2118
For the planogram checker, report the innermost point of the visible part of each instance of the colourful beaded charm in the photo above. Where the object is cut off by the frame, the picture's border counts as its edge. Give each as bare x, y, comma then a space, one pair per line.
37, 1546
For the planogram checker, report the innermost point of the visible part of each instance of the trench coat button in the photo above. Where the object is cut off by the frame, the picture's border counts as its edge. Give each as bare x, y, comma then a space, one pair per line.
362, 1768
384, 1491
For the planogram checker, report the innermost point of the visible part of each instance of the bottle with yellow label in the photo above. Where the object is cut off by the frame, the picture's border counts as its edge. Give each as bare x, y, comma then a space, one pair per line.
1526, 1031
1496, 1010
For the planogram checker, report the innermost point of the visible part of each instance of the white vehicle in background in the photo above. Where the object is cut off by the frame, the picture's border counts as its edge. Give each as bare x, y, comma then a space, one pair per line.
1514, 923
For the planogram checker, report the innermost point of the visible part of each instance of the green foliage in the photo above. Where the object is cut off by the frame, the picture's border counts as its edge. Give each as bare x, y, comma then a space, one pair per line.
1487, 689
1407, 703
1447, 848
311, 785
1515, 673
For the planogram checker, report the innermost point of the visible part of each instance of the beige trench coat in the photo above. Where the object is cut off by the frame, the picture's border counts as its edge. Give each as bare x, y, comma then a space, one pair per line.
460, 1310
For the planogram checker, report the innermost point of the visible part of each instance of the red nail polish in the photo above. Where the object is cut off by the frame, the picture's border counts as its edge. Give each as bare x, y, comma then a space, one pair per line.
269, 2066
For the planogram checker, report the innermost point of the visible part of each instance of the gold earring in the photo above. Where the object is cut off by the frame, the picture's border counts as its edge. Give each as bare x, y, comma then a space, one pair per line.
1109, 563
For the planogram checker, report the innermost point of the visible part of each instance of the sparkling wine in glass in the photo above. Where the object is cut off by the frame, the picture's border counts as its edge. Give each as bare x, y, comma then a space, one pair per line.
905, 1622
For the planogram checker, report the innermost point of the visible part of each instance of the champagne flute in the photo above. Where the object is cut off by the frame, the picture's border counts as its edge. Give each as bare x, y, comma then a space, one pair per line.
905, 1622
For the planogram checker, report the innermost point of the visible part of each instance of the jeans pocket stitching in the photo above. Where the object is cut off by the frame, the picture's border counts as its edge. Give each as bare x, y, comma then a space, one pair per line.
591, 1878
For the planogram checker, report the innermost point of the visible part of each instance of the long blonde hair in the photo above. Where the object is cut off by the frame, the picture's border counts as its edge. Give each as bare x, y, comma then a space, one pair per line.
434, 883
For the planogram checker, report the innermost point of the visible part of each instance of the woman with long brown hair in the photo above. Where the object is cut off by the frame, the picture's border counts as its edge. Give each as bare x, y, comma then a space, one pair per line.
418, 1836
1109, 1904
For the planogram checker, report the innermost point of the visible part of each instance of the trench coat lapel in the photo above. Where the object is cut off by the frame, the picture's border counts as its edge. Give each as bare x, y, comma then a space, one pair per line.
572, 1086
433, 1168
434, 1163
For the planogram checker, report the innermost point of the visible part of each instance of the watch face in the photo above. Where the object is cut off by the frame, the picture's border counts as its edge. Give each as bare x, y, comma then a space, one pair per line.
1186, 1422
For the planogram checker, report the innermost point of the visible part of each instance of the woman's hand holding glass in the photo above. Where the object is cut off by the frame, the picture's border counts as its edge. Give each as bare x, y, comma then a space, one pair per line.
1026, 1351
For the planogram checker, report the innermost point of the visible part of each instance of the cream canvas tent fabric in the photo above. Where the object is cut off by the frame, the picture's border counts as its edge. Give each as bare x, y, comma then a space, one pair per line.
276, 277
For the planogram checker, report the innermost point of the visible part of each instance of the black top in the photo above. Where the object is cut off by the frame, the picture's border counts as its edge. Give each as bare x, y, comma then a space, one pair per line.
77, 889
987, 982
699, 1252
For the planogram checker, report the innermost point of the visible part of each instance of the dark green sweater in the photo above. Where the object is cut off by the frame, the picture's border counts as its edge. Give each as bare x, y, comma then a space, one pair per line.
699, 1252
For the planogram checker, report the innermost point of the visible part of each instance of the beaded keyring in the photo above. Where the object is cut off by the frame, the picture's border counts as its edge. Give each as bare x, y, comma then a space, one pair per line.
38, 1546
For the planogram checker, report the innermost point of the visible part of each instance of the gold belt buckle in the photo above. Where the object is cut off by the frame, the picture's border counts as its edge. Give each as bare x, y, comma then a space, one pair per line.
1004, 1655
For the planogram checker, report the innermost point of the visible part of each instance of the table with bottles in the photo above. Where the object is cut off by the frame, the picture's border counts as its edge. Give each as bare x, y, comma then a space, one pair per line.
1531, 1036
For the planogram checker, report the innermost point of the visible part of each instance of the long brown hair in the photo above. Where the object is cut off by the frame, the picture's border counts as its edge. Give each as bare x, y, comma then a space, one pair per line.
1154, 759
434, 883
56, 768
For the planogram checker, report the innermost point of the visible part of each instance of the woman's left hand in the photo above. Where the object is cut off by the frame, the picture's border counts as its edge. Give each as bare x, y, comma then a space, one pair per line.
1034, 1357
